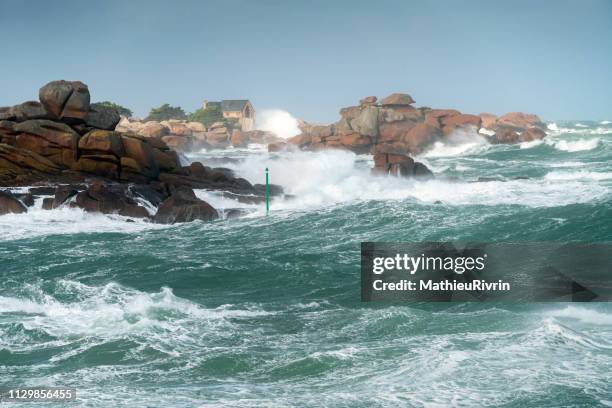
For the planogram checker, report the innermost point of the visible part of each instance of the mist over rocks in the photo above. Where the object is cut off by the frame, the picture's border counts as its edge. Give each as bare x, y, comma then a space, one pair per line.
85, 155
395, 125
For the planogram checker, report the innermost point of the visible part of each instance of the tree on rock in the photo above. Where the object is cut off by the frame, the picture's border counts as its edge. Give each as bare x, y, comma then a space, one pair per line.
207, 116
166, 112
122, 110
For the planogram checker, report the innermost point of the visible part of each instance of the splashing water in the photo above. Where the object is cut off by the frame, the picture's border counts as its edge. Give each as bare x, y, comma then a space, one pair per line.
277, 121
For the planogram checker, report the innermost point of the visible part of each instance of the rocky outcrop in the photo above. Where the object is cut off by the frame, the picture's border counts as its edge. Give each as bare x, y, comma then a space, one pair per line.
400, 166
102, 117
187, 136
64, 141
10, 204
67, 101
184, 206
103, 198
394, 125
397, 99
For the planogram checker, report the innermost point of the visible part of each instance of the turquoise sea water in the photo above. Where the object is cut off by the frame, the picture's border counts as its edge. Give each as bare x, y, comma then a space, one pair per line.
265, 311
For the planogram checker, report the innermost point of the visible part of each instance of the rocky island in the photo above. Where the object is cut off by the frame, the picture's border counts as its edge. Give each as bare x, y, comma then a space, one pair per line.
69, 150
395, 126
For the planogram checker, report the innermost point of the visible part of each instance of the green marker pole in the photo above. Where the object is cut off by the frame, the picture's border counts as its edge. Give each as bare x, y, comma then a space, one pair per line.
267, 194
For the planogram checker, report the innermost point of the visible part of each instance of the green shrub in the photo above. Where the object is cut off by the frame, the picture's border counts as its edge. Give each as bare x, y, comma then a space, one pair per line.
120, 109
166, 112
207, 116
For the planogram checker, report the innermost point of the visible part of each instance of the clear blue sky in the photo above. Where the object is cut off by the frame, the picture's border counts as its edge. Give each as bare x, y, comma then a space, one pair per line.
553, 58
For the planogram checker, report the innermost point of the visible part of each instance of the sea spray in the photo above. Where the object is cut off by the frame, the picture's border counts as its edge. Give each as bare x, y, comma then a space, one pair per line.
280, 122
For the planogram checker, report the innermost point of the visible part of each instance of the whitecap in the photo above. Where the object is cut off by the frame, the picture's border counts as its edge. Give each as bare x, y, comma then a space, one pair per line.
460, 142
486, 132
66, 220
567, 164
576, 145
578, 175
530, 144
583, 314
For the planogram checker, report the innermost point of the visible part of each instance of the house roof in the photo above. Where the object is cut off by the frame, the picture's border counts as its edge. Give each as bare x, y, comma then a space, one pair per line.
233, 105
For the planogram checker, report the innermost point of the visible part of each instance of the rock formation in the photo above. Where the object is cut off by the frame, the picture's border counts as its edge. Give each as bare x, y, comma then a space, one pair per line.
399, 165
187, 136
394, 125
74, 150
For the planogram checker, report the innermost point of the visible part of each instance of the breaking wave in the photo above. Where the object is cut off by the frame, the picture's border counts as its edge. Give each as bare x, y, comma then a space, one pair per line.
577, 145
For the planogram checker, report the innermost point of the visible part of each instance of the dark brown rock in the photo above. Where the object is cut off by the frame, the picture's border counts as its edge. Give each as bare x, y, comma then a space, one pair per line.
104, 165
47, 203
109, 199
139, 157
26, 198
167, 161
10, 204
421, 171
101, 142
7, 132
66, 100
27, 111
399, 165
55, 141
102, 117
184, 206
63, 194
17, 158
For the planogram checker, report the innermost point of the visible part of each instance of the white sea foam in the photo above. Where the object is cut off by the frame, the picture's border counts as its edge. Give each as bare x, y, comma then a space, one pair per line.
553, 127
111, 310
530, 144
576, 145
567, 164
580, 125
583, 314
459, 143
319, 179
605, 122
578, 175
66, 220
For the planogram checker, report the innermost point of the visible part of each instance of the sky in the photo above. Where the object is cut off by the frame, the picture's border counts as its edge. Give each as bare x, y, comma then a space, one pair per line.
552, 58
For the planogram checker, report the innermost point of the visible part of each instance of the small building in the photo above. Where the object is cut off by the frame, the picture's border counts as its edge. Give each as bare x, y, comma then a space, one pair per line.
240, 110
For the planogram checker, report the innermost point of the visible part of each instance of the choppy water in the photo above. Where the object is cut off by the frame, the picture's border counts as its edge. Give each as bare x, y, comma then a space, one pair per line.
265, 311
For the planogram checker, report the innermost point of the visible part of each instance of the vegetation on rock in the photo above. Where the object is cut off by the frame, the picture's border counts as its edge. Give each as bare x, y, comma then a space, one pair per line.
166, 112
122, 110
207, 116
